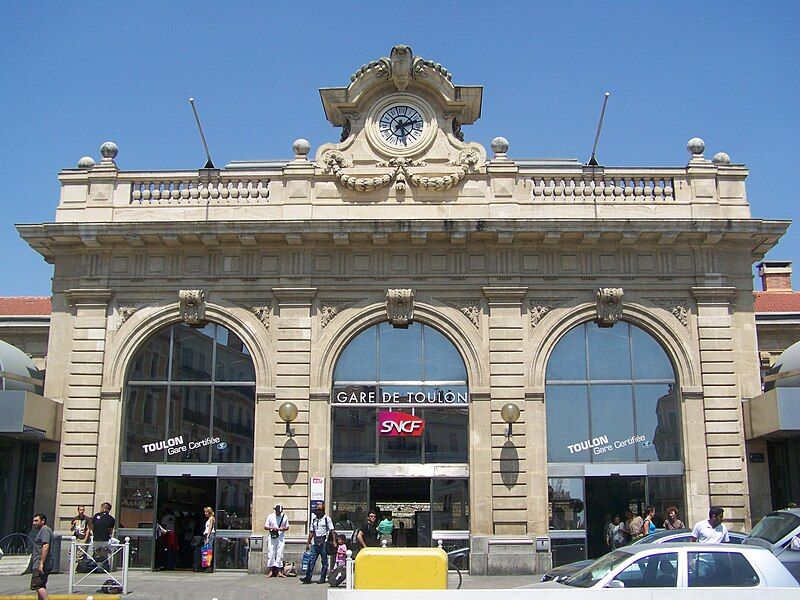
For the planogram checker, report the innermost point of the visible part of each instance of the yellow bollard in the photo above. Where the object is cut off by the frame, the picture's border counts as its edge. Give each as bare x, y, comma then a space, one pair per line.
401, 569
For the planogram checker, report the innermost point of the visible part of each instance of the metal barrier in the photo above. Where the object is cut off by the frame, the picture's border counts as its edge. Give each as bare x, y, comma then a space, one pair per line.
100, 557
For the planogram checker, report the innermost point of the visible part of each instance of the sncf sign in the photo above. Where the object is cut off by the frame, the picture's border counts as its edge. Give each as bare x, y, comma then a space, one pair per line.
398, 424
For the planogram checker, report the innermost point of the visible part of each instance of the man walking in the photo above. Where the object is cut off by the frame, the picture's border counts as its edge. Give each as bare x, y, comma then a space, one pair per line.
319, 533
711, 531
80, 526
277, 524
42, 557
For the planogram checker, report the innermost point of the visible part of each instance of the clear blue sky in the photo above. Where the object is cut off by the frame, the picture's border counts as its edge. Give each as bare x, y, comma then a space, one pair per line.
73, 75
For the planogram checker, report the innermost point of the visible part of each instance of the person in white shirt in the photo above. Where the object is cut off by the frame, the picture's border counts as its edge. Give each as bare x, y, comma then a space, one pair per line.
277, 523
711, 531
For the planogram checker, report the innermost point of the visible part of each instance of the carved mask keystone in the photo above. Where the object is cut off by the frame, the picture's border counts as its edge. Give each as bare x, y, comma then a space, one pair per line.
400, 307
609, 306
192, 306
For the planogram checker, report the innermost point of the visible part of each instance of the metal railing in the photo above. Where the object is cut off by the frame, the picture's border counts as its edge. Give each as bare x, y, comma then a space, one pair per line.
16, 544
99, 559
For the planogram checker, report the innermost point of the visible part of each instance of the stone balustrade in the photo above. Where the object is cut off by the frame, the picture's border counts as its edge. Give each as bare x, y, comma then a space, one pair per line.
622, 186
193, 190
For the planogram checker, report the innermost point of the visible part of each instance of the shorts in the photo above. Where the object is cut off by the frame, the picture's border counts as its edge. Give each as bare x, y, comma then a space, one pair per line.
39, 580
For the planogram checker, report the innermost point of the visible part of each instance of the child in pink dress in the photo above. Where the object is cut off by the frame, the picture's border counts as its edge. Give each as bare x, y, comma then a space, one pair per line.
341, 550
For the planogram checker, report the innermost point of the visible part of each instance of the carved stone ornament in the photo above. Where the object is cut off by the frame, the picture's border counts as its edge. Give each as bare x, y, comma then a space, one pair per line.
609, 306
398, 171
124, 313
192, 305
469, 307
262, 312
676, 306
401, 67
330, 308
400, 307
538, 308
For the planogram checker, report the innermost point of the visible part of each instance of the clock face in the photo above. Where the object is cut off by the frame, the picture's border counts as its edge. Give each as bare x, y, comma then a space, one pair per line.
401, 126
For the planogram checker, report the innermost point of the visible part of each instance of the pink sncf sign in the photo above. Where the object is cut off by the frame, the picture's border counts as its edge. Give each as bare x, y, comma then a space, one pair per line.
398, 424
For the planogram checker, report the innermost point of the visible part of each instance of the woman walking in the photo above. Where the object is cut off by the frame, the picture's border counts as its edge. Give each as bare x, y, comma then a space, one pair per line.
210, 534
673, 522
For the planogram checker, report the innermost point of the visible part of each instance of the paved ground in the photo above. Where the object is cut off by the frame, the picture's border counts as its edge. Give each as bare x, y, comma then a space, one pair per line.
145, 585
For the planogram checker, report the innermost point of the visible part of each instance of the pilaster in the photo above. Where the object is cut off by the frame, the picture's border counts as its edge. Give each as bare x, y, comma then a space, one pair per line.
78, 478
506, 379
722, 405
296, 458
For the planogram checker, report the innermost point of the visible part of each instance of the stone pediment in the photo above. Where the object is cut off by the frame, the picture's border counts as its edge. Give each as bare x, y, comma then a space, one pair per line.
401, 120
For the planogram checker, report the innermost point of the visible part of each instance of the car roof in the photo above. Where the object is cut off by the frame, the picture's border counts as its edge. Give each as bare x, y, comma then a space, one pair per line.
693, 546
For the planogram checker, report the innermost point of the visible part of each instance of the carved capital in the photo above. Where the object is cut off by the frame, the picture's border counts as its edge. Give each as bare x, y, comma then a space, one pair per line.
89, 296
192, 306
609, 306
400, 307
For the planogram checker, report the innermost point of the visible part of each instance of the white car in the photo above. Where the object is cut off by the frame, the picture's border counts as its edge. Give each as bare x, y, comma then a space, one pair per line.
681, 566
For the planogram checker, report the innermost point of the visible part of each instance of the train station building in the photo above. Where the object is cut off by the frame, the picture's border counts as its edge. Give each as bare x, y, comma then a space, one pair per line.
501, 352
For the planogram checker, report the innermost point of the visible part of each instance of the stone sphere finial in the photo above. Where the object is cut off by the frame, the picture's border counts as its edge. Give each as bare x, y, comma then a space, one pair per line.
696, 146
87, 162
109, 150
721, 158
301, 148
499, 146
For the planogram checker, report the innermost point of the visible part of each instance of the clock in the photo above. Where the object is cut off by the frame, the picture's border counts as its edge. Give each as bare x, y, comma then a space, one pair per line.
401, 126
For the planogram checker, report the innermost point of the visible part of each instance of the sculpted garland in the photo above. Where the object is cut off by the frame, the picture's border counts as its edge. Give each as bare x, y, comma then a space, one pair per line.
335, 164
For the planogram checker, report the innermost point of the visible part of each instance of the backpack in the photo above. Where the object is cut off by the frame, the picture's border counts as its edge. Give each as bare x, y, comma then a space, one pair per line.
111, 586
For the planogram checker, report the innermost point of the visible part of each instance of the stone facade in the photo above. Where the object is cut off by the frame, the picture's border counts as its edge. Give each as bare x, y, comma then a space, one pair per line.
503, 256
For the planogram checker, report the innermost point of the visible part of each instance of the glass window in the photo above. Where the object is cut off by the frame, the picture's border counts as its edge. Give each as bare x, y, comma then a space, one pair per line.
235, 439
663, 492
611, 411
190, 418
434, 387
172, 420
657, 419
609, 351
146, 428
446, 435
649, 359
776, 526
656, 570
566, 505
628, 409
450, 504
567, 423
568, 360
348, 503
399, 449
353, 435
188, 344
400, 353
234, 503
137, 496
359, 360
720, 569
442, 360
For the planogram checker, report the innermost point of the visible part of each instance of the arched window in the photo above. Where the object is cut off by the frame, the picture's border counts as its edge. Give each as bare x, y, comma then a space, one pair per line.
611, 396
415, 371
183, 391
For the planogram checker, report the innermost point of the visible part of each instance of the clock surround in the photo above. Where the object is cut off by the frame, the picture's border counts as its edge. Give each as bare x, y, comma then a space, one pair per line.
401, 125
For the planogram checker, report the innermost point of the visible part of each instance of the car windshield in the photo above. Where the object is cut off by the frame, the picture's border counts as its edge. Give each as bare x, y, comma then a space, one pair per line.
775, 526
588, 576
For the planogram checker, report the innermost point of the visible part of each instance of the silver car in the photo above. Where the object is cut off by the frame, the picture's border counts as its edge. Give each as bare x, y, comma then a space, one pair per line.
776, 532
680, 566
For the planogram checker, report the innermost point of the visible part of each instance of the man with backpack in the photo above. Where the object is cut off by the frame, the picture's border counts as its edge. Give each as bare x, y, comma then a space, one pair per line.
320, 532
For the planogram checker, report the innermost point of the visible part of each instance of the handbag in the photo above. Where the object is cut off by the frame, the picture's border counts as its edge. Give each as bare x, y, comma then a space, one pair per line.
305, 561
207, 556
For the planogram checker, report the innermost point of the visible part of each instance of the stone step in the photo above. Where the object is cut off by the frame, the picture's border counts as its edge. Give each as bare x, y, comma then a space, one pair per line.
14, 564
